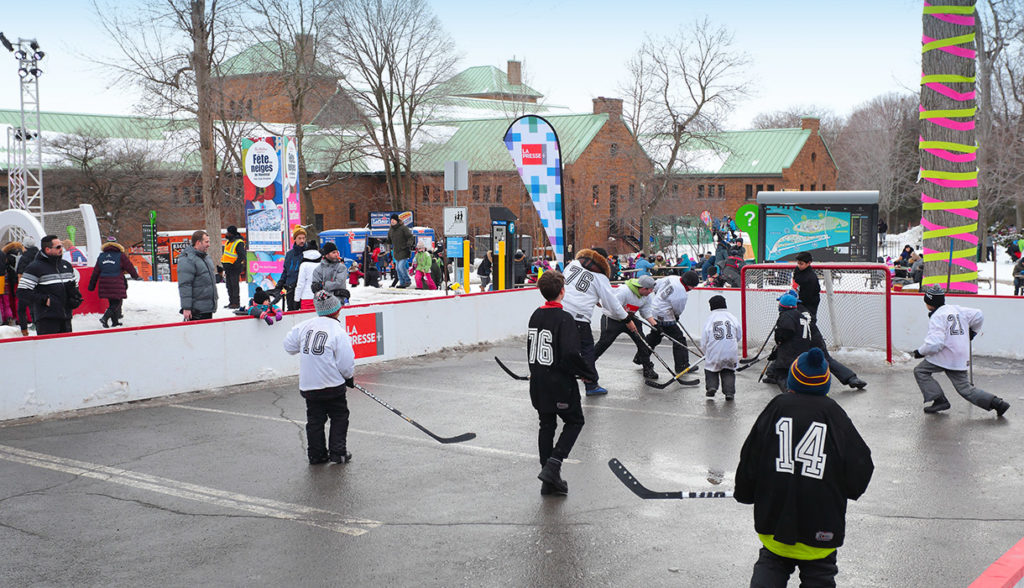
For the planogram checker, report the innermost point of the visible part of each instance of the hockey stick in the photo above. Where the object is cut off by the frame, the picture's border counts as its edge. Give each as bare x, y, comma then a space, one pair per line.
642, 491
675, 378
763, 345
765, 368
669, 337
690, 337
514, 375
456, 439
654, 384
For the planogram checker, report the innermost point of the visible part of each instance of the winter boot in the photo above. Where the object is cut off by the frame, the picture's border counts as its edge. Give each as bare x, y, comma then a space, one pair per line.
105, 320
278, 315
939, 404
637, 360
649, 372
341, 457
552, 474
857, 383
1000, 405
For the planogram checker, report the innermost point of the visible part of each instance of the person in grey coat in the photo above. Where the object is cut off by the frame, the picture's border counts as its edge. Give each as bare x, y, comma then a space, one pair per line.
197, 279
331, 274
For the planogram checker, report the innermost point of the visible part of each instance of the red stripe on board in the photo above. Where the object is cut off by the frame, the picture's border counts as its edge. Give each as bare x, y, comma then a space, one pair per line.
1005, 572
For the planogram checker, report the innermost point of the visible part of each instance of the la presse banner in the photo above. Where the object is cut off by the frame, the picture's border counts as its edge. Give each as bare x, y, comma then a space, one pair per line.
533, 145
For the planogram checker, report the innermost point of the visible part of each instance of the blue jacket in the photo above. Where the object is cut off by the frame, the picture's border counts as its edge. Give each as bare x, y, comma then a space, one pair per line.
290, 273
644, 266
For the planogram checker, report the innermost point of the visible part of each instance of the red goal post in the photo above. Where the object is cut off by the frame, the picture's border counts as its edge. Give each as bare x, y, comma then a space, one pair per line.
855, 308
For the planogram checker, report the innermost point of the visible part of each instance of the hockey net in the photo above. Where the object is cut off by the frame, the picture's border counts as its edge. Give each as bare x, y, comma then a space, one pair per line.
855, 309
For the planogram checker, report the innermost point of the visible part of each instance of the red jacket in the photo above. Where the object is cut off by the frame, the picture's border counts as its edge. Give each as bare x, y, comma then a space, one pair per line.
109, 272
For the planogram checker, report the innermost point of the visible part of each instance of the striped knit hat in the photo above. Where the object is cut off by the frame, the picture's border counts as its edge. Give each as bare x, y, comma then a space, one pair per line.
809, 374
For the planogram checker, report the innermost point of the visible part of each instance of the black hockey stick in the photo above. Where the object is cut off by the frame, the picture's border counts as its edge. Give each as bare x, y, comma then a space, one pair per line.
654, 384
690, 337
642, 491
669, 337
456, 439
510, 372
763, 345
675, 378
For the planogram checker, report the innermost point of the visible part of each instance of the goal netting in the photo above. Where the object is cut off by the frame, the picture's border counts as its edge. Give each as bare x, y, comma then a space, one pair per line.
855, 309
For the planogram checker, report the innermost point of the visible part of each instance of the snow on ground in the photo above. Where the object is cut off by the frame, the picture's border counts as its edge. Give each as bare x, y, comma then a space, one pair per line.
1001, 269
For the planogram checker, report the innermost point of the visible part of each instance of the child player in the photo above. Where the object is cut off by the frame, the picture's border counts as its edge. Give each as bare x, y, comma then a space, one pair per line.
553, 351
721, 333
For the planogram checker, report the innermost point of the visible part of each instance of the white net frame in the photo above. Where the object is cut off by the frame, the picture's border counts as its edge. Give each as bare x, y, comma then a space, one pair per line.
855, 309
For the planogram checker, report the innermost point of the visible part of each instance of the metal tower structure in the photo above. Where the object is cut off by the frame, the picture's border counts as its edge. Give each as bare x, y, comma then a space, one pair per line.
24, 143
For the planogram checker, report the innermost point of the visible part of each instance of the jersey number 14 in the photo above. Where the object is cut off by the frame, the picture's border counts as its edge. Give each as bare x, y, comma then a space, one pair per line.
810, 451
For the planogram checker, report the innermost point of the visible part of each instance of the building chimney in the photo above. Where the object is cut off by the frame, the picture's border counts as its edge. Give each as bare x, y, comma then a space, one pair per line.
611, 106
810, 123
515, 73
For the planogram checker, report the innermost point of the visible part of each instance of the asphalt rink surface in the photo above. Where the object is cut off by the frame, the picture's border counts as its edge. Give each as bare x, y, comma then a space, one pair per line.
213, 488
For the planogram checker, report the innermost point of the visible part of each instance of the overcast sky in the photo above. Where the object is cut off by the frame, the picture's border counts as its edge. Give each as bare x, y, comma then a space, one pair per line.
825, 53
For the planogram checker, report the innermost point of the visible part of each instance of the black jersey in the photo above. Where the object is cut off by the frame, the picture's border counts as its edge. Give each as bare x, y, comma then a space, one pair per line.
800, 464
793, 335
553, 350
806, 283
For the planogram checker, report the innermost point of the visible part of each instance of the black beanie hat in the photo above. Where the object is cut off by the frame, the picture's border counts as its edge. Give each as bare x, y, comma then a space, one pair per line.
232, 230
934, 296
717, 302
600, 251
259, 296
691, 279
328, 247
395, 217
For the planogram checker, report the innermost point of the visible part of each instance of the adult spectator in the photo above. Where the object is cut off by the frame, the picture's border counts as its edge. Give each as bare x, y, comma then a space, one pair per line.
990, 247
233, 261
197, 279
402, 243
290, 272
520, 267
707, 263
27, 257
883, 228
916, 268
331, 274
50, 286
904, 259
111, 266
1018, 277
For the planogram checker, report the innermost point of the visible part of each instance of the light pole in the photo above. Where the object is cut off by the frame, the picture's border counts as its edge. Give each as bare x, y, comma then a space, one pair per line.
24, 144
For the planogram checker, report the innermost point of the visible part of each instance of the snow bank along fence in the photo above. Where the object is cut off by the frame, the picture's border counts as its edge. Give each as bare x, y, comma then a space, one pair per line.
68, 372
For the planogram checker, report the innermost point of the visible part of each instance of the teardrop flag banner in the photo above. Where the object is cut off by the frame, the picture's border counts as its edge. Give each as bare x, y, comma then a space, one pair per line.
533, 145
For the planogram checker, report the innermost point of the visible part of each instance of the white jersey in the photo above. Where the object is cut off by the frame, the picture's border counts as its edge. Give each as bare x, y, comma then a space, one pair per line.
584, 289
946, 344
722, 333
668, 299
631, 303
327, 358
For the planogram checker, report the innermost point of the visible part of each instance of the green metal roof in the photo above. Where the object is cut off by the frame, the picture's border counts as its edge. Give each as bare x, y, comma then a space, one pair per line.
758, 152
96, 125
485, 80
266, 58
481, 143
319, 152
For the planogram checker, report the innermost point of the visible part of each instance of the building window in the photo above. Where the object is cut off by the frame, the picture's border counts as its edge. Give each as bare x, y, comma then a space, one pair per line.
632, 192
750, 192
801, 187
597, 195
814, 187
700, 191
497, 194
487, 193
248, 107
351, 211
771, 187
721, 191
823, 188
318, 220
614, 149
814, 157
426, 193
476, 193
760, 188
675, 191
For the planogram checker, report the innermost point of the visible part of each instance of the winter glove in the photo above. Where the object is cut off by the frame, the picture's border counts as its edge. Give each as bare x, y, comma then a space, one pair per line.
917, 354
972, 334
774, 354
350, 382
316, 287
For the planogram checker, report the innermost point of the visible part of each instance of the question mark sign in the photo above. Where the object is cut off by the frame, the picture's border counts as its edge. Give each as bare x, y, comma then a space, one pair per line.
751, 215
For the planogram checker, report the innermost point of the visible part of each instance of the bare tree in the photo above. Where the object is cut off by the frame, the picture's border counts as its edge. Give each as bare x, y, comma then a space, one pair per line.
171, 49
393, 53
876, 149
121, 178
789, 118
679, 91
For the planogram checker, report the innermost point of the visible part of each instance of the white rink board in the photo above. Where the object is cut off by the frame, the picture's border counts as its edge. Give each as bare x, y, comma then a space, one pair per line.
106, 367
